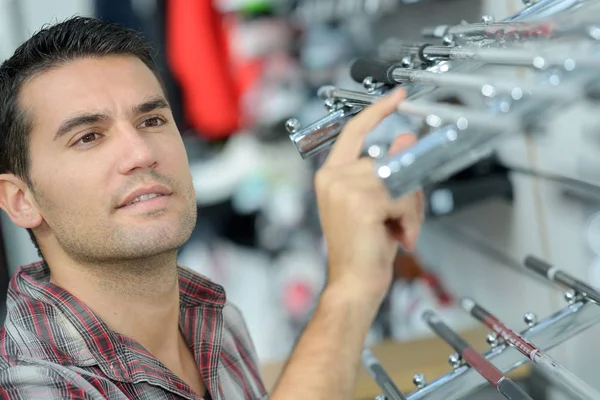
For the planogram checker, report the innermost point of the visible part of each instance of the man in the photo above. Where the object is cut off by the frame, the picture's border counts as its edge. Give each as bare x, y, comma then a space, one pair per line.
94, 167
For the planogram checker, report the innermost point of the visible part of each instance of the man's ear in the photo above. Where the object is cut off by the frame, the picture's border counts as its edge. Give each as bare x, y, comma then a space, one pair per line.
17, 201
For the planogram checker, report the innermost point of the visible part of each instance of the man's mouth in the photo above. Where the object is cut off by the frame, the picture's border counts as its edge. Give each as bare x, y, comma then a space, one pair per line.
144, 197
149, 194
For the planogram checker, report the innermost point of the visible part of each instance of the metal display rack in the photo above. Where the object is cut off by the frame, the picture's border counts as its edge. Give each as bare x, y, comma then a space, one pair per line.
555, 46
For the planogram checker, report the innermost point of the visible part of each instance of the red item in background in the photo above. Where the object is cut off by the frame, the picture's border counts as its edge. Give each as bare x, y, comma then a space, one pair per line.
198, 55
408, 267
297, 299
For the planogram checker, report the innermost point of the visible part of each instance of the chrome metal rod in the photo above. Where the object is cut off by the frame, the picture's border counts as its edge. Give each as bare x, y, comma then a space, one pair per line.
435, 113
347, 96
322, 134
544, 8
486, 369
435, 157
500, 30
486, 86
534, 58
573, 19
546, 334
392, 74
377, 372
561, 375
561, 277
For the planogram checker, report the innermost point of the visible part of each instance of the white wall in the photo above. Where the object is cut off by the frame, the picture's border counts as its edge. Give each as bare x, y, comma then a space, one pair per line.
34, 14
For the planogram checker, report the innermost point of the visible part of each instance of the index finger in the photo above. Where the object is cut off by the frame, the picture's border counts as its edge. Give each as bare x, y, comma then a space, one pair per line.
349, 143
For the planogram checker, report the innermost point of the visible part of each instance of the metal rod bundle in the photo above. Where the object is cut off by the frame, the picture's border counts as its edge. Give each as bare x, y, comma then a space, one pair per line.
575, 20
547, 333
493, 375
458, 137
562, 375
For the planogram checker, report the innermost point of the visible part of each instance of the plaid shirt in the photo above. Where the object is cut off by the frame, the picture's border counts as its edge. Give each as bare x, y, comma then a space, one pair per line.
53, 347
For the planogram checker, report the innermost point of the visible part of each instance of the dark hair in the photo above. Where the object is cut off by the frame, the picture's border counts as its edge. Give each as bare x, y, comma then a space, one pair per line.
52, 46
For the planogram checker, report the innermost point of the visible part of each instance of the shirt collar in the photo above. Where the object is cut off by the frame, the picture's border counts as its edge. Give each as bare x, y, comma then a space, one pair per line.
195, 290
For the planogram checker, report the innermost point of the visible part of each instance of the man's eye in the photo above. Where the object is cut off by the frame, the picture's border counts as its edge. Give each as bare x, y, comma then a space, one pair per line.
88, 138
152, 122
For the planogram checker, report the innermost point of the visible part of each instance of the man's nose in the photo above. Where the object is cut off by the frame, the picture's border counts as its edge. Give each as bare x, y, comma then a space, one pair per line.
137, 150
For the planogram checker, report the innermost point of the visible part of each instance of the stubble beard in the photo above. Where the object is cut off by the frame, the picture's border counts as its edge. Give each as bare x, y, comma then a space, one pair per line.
124, 249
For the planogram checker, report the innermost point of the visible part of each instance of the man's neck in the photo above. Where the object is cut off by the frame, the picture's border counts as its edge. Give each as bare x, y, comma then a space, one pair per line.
138, 299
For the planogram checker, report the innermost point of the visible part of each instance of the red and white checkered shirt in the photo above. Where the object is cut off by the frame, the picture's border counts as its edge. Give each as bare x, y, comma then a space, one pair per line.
53, 347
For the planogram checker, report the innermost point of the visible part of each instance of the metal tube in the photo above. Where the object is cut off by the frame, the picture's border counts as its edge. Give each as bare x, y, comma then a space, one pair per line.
476, 31
435, 157
435, 113
563, 376
485, 86
544, 9
534, 58
563, 278
570, 19
320, 135
547, 334
486, 369
377, 372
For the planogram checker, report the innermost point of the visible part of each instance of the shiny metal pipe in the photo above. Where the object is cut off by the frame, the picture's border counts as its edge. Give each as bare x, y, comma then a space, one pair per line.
573, 18
560, 374
520, 57
437, 156
484, 31
546, 334
436, 114
392, 74
544, 8
379, 375
561, 277
488, 87
320, 135
485, 368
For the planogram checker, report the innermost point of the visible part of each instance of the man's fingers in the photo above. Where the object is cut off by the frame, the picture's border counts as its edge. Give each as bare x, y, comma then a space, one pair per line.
350, 142
404, 217
402, 142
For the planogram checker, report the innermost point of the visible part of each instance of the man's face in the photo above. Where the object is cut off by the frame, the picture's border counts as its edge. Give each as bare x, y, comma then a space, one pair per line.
103, 134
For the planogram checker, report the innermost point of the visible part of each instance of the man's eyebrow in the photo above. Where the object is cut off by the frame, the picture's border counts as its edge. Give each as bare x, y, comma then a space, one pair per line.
80, 120
151, 104
154, 103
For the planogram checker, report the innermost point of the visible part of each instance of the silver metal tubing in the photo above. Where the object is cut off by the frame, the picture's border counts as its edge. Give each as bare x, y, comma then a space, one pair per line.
320, 135
379, 375
571, 18
347, 96
486, 86
545, 8
437, 156
435, 113
483, 31
534, 58
546, 334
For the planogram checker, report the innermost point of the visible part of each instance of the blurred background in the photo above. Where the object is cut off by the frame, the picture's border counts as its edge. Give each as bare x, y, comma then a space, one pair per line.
236, 70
